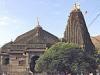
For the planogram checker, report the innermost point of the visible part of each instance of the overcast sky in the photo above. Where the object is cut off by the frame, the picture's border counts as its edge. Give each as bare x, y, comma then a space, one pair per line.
20, 16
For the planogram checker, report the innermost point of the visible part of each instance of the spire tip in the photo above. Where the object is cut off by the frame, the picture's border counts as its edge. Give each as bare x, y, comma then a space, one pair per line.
38, 23
76, 5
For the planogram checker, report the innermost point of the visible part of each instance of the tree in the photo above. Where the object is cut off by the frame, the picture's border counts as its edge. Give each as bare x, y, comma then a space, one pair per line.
65, 58
97, 56
56, 58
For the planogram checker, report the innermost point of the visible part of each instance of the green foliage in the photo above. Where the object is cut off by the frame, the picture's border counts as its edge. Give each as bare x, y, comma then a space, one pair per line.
65, 57
54, 58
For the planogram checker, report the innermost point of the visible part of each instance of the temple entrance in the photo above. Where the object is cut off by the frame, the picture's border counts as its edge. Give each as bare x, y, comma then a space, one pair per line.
33, 62
5, 60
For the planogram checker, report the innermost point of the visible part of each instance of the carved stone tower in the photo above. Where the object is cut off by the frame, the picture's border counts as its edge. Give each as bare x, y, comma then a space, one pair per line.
76, 30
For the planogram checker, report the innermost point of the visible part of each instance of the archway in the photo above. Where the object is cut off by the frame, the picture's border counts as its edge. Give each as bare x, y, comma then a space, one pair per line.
32, 63
5, 61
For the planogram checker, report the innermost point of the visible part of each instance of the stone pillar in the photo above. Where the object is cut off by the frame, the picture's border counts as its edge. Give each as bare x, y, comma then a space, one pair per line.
1, 57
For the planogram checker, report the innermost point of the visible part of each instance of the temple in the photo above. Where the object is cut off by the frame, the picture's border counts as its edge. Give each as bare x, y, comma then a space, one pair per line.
76, 30
16, 56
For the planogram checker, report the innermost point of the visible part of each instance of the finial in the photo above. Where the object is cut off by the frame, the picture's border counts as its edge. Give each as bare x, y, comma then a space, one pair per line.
38, 24
77, 1
37, 21
11, 40
76, 5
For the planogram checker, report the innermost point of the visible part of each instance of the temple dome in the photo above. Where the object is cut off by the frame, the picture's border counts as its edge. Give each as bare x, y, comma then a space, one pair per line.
35, 36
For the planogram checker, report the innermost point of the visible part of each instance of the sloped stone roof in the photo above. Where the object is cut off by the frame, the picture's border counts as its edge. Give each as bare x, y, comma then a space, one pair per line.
5, 48
36, 35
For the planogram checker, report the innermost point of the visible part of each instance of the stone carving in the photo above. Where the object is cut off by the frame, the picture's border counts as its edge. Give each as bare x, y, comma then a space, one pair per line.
76, 30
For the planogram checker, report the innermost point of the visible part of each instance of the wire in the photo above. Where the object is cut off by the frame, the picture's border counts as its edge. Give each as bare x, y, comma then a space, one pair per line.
94, 20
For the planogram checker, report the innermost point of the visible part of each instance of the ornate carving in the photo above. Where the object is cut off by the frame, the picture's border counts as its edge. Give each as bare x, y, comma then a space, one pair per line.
77, 32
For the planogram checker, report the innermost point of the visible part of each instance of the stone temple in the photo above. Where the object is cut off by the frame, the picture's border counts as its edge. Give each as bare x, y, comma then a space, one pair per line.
76, 30
16, 56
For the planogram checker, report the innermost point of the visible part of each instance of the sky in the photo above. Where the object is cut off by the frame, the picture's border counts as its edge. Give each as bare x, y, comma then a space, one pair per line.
20, 16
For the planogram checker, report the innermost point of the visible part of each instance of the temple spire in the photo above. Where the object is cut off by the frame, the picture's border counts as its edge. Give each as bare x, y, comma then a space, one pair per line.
76, 30
76, 6
38, 23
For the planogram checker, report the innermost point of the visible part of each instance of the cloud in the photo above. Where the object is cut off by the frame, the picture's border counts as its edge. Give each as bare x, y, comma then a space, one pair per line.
9, 27
6, 21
